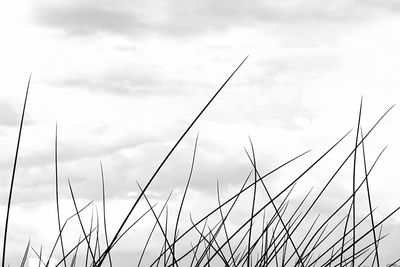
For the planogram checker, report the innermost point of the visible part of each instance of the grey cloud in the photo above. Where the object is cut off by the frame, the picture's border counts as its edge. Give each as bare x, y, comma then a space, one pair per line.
74, 151
37, 186
31, 195
391, 245
122, 171
121, 85
140, 82
189, 18
10, 115
392, 6
85, 18
69, 152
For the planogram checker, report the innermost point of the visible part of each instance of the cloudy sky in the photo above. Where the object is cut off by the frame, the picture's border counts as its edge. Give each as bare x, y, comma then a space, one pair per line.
123, 79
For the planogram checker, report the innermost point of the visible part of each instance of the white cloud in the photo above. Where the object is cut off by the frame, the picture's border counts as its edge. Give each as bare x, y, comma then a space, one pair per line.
124, 80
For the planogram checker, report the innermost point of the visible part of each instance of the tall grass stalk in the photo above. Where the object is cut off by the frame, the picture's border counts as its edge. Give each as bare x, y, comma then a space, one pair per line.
275, 233
13, 174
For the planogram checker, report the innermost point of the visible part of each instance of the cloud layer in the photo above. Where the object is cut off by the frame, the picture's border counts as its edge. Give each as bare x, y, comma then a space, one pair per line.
193, 18
123, 80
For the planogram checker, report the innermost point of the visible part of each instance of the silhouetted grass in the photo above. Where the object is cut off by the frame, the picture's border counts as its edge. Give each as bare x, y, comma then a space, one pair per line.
278, 233
13, 175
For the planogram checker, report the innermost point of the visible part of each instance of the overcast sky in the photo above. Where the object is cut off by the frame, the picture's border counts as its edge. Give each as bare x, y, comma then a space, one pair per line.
123, 79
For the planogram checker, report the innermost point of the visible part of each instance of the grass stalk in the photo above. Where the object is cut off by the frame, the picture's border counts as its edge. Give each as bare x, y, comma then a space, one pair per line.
13, 174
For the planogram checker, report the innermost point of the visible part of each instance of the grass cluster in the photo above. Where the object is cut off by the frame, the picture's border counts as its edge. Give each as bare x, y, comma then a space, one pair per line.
275, 233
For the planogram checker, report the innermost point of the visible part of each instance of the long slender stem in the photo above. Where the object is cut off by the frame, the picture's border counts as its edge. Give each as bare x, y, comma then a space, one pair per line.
354, 184
104, 210
13, 174
57, 195
162, 164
